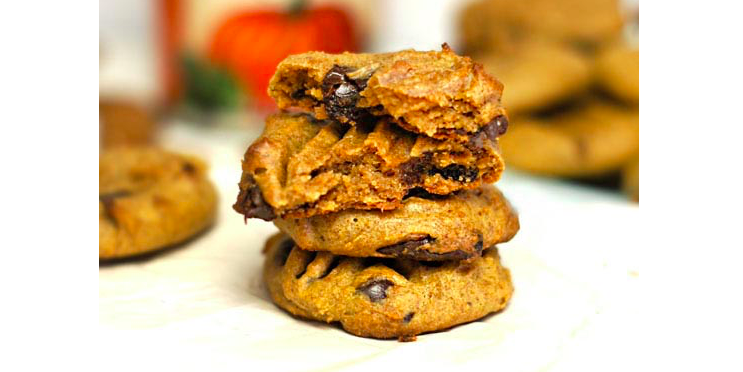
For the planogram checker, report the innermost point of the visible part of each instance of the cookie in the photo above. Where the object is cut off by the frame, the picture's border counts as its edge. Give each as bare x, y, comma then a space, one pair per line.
501, 25
150, 199
589, 140
617, 71
631, 179
384, 298
300, 166
425, 227
124, 123
539, 75
439, 94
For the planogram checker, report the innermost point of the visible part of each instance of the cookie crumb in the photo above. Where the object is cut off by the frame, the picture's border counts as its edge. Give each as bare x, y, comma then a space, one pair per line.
407, 338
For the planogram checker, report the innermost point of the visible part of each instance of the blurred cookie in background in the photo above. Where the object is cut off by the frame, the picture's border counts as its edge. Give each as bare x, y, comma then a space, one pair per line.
539, 75
617, 72
631, 179
498, 25
590, 139
150, 199
123, 122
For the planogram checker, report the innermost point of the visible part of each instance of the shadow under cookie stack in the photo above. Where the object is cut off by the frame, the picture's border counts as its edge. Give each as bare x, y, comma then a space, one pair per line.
380, 187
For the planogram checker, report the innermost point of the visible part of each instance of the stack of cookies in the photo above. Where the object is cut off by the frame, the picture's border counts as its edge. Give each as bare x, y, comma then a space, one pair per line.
379, 183
572, 85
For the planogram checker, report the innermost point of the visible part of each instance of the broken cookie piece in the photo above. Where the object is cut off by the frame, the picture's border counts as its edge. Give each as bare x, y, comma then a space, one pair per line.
301, 167
439, 94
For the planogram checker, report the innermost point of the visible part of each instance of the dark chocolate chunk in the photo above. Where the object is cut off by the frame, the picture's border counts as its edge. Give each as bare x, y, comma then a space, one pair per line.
413, 170
189, 169
408, 317
375, 289
412, 249
250, 202
456, 172
341, 93
502, 123
108, 202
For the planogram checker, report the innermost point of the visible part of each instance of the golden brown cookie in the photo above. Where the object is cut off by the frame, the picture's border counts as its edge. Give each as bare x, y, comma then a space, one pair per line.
631, 179
300, 167
501, 25
425, 227
589, 140
150, 199
539, 75
617, 70
124, 123
439, 94
384, 298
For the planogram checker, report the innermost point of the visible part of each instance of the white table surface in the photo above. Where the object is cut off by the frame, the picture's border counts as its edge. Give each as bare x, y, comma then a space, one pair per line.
575, 267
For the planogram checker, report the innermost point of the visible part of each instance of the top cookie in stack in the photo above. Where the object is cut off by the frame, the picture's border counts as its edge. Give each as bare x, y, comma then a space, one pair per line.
384, 125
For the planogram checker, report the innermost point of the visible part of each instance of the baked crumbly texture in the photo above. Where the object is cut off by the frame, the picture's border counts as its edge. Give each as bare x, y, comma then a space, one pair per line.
592, 139
150, 199
300, 167
539, 75
439, 94
617, 70
424, 227
384, 298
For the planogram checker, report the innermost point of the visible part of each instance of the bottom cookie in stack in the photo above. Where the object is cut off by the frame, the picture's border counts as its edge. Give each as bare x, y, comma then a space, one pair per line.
429, 265
384, 297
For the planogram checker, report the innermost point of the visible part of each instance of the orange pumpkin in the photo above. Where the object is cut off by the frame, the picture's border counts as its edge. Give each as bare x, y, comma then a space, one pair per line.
251, 44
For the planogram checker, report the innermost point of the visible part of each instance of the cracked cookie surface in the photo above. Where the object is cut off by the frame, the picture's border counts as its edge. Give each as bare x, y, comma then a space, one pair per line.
300, 166
384, 298
150, 199
424, 227
439, 94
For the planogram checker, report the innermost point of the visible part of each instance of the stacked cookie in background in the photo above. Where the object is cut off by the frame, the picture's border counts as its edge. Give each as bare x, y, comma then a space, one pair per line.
570, 68
380, 188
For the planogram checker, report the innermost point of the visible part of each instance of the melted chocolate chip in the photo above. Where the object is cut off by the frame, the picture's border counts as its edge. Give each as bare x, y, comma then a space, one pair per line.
189, 168
250, 202
341, 93
375, 289
413, 171
408, 317
108, 202
456, 172
412, 249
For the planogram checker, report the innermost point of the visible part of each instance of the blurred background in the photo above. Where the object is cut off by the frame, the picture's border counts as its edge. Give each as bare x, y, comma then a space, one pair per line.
192, 75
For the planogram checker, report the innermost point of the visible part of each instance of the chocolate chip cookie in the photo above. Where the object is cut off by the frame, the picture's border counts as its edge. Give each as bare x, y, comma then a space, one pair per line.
589, 139
425, 227
150, 199
439, 94
125, 123
539, 75
300, 166
500, 25
617, 70
384, 298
